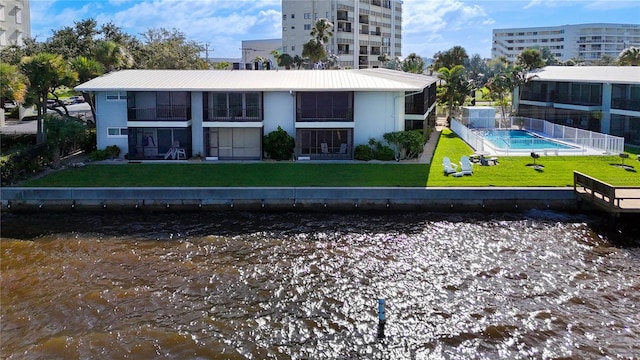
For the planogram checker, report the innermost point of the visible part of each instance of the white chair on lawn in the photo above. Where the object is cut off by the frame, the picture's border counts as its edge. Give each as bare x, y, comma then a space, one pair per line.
449, 168
466, 167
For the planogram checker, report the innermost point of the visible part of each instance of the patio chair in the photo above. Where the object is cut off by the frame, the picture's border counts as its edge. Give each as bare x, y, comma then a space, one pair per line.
466, 167
324, 148
449, 168
343, 148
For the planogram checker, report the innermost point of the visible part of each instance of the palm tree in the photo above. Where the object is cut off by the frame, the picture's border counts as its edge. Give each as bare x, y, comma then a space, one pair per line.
322, 31
413, 64
499, 85
629, 56
87, 69
519, 77
455, 87
314, 50
530, 59
285, 60
113, 56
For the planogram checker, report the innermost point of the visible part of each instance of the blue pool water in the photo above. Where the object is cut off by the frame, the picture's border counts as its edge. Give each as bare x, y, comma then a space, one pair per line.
520, 140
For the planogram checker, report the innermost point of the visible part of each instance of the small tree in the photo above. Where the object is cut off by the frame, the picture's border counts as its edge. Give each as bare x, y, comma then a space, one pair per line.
279, 145
407, 144
61, 133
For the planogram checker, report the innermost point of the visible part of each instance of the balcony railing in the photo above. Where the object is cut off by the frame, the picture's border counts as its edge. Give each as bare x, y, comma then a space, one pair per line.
302, 116
234, 113
344, 30
577, 100
625, 104
160, 113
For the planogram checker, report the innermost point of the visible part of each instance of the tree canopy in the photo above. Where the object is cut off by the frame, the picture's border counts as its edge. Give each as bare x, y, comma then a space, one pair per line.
457, 55
413, 64
629, 57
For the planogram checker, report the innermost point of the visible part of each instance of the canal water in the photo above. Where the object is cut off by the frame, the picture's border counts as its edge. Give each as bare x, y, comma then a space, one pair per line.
239, 285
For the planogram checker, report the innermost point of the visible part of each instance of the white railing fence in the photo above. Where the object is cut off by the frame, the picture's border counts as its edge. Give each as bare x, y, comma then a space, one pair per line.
583, 138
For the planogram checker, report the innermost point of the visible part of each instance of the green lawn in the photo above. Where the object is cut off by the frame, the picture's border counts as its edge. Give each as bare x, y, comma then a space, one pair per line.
514, 170
511, 171
253, 174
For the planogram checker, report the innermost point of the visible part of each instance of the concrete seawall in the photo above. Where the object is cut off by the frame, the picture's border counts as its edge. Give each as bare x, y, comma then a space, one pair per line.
289, 199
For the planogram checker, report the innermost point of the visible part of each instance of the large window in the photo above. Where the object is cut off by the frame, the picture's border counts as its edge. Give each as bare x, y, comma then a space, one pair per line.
324, 106
222, 106
233, 143
324, 143
159, 143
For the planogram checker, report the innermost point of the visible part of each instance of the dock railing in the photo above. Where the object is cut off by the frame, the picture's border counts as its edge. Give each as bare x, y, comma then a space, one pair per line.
614, 199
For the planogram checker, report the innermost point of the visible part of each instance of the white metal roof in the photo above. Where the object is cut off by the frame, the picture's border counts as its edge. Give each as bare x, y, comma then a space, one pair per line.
255, 80
598, 74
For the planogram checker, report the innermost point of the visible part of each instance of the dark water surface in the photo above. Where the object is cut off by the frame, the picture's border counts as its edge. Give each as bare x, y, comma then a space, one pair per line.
305, 286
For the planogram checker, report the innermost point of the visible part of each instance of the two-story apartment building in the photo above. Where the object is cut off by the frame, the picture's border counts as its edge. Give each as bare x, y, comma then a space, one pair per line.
224, 114
604, 99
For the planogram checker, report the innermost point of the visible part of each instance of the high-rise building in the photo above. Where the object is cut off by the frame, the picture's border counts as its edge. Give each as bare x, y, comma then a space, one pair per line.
15, 22
588, 42
362, 29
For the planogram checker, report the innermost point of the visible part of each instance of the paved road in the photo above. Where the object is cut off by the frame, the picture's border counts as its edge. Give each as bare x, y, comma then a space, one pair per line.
11, 126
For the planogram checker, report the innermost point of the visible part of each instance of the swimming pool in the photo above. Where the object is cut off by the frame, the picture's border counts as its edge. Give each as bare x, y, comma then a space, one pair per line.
521, 140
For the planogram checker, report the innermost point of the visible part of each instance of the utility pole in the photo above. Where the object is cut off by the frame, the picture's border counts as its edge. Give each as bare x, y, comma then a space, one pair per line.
206, 52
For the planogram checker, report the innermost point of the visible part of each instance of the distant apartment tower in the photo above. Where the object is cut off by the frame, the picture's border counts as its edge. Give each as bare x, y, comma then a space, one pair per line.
15, 23
588, 42
362, 29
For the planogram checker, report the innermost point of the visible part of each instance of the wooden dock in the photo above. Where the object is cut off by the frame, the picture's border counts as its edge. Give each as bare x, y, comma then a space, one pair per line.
613, 199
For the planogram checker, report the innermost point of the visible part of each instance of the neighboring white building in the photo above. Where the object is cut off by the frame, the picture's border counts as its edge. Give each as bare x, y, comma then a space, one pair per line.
254, 49
362, 29
603, 99
15, 22
224, 114
583, 41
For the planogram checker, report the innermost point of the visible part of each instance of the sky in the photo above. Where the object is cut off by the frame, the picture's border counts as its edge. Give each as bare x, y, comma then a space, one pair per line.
429, 26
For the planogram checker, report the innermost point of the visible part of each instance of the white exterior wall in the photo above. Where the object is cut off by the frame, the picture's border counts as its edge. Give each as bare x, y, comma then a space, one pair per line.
110, 114
279, 110
197, 115
376, 113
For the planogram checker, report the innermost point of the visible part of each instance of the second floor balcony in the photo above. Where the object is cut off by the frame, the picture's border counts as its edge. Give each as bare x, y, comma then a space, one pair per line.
626, 104
160, 113
233, 113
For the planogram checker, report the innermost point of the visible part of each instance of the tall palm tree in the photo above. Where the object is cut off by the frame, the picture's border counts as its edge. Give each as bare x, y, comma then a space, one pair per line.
498, 86
87, 69
413, 64
113, 56
322, 31
455, 85
629, 56
519, 77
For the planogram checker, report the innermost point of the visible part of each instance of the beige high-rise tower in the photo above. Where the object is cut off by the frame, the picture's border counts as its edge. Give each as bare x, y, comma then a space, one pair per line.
15, 22
362, 29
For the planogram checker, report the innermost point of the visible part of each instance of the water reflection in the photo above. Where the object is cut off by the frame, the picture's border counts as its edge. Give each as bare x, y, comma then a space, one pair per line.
246, 285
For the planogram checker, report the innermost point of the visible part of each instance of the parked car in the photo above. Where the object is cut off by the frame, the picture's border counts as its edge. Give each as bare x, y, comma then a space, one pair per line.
51, 103
77, 99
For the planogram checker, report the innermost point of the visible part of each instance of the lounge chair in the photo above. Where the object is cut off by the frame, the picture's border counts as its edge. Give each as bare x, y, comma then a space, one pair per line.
466, 167
449, 168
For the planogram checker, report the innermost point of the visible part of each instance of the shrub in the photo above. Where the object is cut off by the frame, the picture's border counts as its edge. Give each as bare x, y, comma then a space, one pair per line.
110, 152
279, 145
408, 144
364, 152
